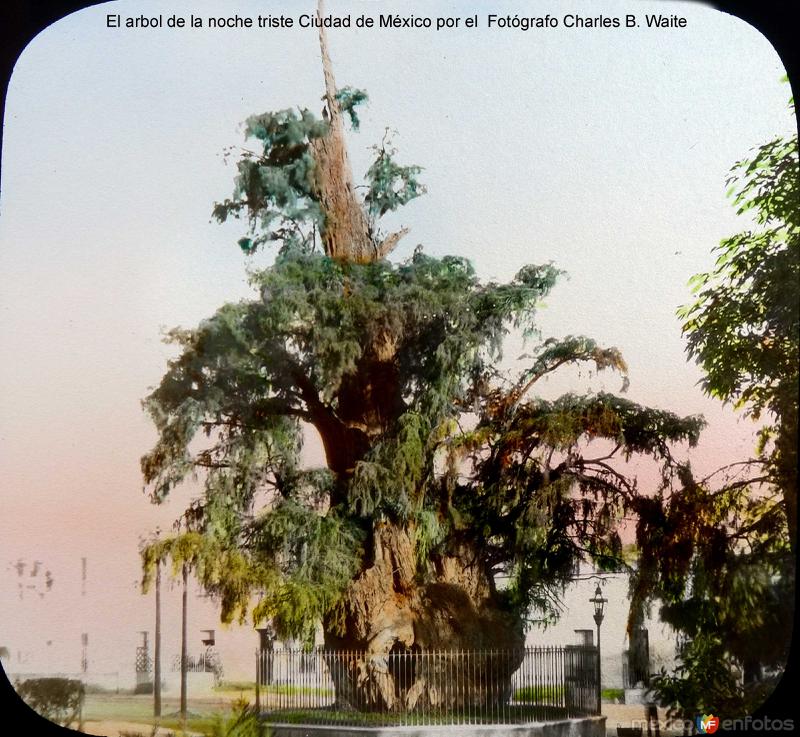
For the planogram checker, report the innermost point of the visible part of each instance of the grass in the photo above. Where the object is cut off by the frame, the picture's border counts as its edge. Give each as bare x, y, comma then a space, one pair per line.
118, 708
280, 689
536, 694
506, 715
285, 690
204, 711
235, 686
139, 709
202, 724
612, 694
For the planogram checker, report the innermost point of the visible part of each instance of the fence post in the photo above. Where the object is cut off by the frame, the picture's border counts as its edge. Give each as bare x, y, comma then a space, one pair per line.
473, 686
258, 682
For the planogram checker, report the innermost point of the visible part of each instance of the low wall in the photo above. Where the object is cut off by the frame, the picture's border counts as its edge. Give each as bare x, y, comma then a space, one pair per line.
197, 684
583, 727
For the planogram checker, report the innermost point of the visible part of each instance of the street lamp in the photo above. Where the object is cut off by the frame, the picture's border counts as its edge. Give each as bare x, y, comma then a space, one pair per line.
266, 638
599, 604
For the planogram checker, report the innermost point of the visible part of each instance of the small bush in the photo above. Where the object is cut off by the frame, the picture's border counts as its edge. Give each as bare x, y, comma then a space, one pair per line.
243, 722
58, 699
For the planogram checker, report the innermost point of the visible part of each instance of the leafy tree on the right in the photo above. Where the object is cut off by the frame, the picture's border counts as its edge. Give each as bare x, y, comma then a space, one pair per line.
743, 326
725, 573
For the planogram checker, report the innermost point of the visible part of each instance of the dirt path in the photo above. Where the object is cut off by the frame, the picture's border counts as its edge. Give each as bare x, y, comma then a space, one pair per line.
633, 715
109, 728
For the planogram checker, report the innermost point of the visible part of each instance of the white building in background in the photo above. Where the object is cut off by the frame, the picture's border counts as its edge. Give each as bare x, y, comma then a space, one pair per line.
656, 646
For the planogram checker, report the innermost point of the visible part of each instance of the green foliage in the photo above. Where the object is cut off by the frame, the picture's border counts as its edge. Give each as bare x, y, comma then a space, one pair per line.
305, 351
288, 689
58, 699
718, 552
430, 531
253, 370
317, 556
243, 722
349, 98
247, 378
541, 693
554, 353
275, 187
703, 683
538, 500
390, 185
717, 560
719, 563
744, 325
395, 367
614, 695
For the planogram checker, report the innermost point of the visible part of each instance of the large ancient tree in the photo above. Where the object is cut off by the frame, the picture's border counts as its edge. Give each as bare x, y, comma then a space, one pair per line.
441, 474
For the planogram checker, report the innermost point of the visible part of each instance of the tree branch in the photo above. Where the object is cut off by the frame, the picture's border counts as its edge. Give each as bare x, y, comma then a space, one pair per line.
389, 243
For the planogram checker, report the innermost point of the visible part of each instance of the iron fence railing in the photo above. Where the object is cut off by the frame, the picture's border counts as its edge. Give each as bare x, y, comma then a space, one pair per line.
207, 662
636, 675
427, 687
203, 663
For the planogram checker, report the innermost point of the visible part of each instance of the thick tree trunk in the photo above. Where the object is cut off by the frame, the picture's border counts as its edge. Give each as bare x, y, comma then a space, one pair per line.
388, 612
786, 470
387, 609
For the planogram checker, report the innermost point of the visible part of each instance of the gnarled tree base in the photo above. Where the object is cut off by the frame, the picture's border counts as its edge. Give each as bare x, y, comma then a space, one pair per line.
391, 619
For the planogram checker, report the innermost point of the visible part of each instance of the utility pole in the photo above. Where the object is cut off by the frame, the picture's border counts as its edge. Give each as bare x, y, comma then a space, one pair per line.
183, 646
157, 665
599, 603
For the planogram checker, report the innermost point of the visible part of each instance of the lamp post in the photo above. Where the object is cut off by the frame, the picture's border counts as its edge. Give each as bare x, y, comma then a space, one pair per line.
599, 604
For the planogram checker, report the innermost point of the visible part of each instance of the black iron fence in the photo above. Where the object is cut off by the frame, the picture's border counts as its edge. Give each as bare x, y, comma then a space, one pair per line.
635, 675
207, 662
427, 687
203, 663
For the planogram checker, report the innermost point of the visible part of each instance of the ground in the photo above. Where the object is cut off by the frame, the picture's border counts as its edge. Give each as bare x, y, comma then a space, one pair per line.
124, 715
121, 715
128, 729
627, 715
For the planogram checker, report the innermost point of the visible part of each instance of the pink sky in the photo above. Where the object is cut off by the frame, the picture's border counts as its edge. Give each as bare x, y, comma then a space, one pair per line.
604, 152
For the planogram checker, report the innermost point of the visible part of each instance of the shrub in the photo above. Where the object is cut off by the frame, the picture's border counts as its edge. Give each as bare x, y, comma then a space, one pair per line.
243, 722
58, 699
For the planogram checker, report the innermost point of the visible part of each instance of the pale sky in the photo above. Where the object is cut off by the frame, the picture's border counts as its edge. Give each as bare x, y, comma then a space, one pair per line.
603, 150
